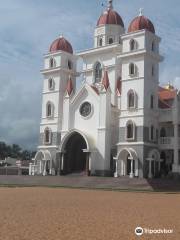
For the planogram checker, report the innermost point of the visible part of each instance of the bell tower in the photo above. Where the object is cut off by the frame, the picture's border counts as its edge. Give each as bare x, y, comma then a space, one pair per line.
109, 27
59, 67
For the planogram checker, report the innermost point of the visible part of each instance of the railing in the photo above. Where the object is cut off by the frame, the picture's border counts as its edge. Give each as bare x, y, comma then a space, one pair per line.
165, 140
168, 142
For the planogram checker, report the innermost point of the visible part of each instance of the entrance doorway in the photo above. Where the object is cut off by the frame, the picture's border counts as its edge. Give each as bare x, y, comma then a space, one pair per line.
75, 160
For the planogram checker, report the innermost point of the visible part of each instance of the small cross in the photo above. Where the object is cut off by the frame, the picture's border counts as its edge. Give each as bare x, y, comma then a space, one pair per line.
141, 11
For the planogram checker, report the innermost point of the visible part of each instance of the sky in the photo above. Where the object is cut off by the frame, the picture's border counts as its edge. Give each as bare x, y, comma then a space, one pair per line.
27, 28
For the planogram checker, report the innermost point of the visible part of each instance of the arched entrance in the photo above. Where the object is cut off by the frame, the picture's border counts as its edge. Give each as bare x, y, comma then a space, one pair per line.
153, 163
74, 154
42, 163
127, 163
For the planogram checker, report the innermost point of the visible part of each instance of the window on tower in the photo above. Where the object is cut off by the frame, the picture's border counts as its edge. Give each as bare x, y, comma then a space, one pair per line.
152, 101
153, 46
152, 132
111, 40
47, 136
133, 45
132, 69
51, 84
100, 42
70, 65
130, 130
49, 110
52, 63
131, 96
98, 72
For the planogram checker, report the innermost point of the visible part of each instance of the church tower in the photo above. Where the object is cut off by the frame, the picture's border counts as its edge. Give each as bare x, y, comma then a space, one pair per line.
59, 67
139, 100
109, 27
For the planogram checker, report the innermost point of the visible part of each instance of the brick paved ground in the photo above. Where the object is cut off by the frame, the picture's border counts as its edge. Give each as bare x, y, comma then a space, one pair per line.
37, 213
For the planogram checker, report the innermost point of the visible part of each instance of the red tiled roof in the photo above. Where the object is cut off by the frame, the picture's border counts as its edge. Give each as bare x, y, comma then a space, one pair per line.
140, 23
105, 80
163, 104
95, 89
167, 94
118, 85
69, 88
110, 17
61, 44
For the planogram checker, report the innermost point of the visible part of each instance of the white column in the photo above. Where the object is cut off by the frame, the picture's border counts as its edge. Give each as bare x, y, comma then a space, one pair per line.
136, 168
50, 167
131, 173
30, 169
44, 170
176, 137
176, 150
116, 171
62, 162
150, 169
122, 168
40, 167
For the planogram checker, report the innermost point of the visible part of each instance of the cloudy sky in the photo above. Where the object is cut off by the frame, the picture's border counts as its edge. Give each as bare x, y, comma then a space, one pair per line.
27, 28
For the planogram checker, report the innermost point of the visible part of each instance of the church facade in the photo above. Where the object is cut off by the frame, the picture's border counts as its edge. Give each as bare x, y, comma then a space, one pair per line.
120, 122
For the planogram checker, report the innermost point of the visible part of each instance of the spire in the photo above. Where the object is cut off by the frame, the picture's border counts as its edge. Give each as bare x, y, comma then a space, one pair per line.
110, 4
118, 86
141, 12
105, 81
69, 88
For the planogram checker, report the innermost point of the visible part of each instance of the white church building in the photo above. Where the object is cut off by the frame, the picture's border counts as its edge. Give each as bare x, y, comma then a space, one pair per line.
120, 122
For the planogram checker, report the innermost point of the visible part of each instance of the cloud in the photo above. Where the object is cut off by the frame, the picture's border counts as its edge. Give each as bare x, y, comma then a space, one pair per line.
28, 28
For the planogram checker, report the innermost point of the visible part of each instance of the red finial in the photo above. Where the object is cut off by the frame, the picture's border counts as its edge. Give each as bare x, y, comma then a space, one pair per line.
69, 88
105, 80
118, 86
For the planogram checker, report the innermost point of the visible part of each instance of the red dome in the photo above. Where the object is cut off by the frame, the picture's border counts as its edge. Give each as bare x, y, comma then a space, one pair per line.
110, 17
140, 23
61, 44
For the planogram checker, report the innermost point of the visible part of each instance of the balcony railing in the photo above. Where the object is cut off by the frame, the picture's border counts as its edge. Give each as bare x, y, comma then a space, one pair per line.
166, 140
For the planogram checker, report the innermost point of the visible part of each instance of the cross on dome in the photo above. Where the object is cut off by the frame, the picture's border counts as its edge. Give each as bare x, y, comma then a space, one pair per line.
110, 4
141, 11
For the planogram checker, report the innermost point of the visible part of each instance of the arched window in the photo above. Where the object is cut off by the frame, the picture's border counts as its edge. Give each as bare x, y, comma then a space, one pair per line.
131, 99
152, 132
98, 72
47, 136
132, 69
51, 84
100, 42
70, 65
52, 63
133, 45
130, 130
152, 101
111, 40
49, 110
163, 132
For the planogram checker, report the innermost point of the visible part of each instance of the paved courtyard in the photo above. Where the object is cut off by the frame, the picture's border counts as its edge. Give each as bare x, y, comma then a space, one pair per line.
74, 214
